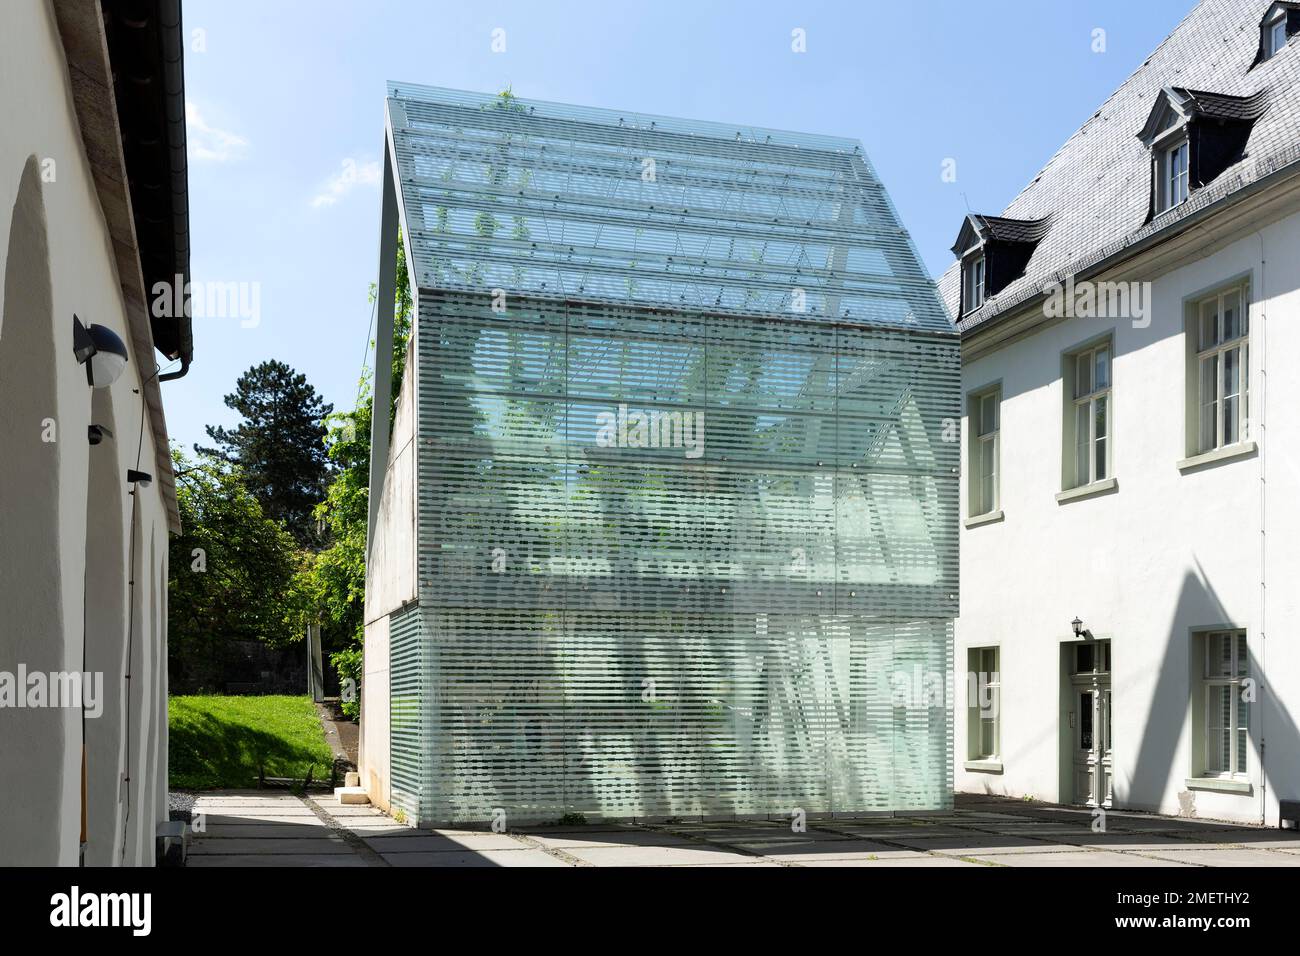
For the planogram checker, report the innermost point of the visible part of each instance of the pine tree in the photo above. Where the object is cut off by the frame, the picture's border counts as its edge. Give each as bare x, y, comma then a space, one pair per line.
279, 445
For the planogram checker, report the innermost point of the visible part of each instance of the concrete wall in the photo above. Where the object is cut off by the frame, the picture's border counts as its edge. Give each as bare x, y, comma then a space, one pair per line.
390, 584
1168, 552
65, 507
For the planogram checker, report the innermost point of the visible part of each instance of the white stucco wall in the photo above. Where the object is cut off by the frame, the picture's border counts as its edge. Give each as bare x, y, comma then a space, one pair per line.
1167, 552
41, 753
390, 584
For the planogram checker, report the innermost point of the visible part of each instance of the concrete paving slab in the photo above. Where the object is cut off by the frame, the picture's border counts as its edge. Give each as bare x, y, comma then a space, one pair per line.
758, 835
1230, 856
248, 819
624, 838
277, 860
1077, 858
241, 845
423, 841
917, 861
654, 855
524, 857
261, 810
262, 831
975, 844
374, 827
1131, 841
1260, 838
826, 850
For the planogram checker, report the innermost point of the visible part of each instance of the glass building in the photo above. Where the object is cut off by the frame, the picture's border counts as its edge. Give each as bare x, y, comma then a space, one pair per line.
667, 521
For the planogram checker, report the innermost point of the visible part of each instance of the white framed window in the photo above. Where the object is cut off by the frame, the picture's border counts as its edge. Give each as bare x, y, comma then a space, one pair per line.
983, 704
973, 277
1091, 415
1222, 331
1225, 723
1275, 34
985, 449
1172, 182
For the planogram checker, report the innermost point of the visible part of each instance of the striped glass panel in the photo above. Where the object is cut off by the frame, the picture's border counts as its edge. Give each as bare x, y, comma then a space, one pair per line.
407, 736
682, 550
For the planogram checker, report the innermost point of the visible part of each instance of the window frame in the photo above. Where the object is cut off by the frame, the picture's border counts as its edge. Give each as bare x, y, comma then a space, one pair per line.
1238, 674
1078, 400
978, 440
973, 287
1169, 183
1217, 352
977, 660
1272, 44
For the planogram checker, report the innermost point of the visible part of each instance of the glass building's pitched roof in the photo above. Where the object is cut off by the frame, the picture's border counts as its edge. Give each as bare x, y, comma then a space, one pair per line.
585, 204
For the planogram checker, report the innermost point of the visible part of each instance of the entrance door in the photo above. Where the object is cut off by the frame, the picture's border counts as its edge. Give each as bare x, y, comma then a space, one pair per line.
1090, 723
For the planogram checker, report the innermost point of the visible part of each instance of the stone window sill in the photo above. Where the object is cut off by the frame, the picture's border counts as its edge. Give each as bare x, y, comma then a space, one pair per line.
1219, 785
986, 518
1088, 491
1227, 453
984, 766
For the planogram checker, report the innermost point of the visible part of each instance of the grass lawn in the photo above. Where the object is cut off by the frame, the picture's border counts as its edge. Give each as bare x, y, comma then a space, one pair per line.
222, 741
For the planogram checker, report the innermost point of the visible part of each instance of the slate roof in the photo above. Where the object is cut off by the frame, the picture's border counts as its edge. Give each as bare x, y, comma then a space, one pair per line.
1003, 229
1218, 106
1097, 186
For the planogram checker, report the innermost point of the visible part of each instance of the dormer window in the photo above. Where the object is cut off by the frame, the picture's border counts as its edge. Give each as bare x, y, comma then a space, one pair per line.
973, 294
1281, 21
1194, 136
994, 252
1275, 34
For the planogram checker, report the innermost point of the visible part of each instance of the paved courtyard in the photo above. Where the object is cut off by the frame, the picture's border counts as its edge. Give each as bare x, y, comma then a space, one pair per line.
254, 828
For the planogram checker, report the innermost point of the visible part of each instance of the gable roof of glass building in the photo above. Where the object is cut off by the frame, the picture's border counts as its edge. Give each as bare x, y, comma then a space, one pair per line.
607, 206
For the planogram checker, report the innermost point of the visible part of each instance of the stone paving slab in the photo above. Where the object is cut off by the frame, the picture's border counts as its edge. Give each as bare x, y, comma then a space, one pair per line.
261, 831
635, 838
257, 828
827, 850
336, 809
525, 856
1130, 841
425, 841
732, 835
655, 855
1076, 858
253, 818
277, 859
916, 861
1259, 839
238, 845
972, 844
1229, 856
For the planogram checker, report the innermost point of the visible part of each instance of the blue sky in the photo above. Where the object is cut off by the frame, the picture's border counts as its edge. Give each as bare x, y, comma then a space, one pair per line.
286, 119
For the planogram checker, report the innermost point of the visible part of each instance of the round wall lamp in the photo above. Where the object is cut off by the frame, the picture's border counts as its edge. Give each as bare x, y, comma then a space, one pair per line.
100, 350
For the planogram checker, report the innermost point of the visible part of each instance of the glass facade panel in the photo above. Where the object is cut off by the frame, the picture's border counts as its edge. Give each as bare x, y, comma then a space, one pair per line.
686, 520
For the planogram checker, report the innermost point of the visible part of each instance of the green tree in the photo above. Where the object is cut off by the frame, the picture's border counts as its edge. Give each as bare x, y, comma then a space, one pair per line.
336, 578
278, 445
235, 573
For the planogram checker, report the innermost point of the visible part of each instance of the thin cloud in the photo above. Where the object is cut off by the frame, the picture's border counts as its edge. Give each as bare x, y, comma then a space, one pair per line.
208, 144
354, 173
